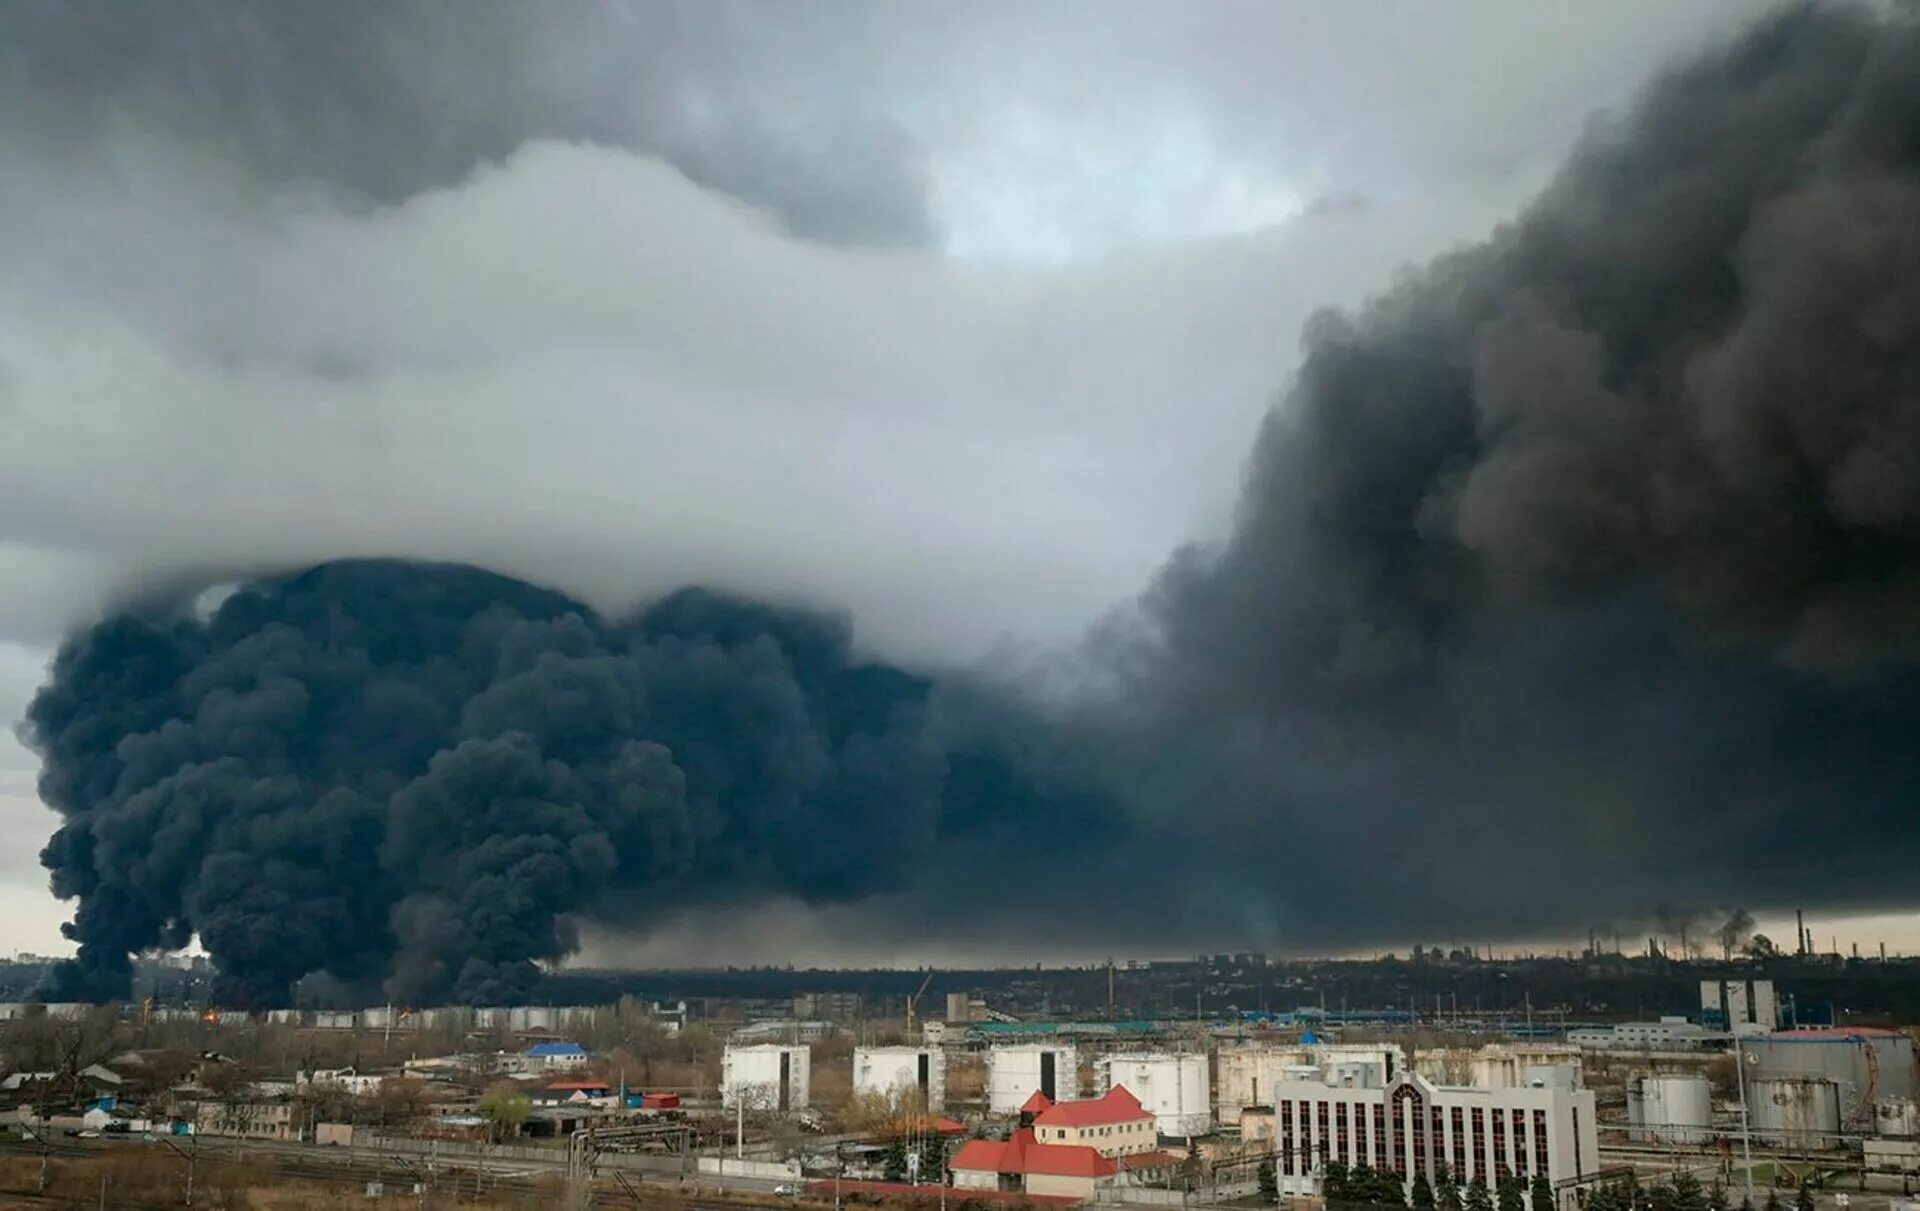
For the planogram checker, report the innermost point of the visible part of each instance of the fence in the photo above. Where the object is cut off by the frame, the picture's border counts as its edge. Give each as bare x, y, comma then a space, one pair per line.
727, 1166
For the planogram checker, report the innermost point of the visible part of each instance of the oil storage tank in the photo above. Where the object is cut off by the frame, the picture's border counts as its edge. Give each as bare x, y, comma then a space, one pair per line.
1016, 1071
1897, 1116
766, 1076
889, 1070
1669, 1108
1174, 1086
1864, 1064
1247, 1076
1795, 1111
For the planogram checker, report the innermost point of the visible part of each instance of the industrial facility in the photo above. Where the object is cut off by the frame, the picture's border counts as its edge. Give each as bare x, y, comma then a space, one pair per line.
1207, 1109
1806, 1088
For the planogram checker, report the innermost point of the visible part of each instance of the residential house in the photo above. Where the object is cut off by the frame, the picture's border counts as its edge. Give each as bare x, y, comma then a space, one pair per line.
557, 1055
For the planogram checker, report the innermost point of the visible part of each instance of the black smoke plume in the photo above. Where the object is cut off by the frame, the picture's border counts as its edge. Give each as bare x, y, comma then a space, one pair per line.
1577, 575
422, 774
1583, 566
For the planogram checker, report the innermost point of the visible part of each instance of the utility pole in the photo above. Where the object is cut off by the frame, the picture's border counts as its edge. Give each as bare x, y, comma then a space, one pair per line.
1746, 1122
193, 1151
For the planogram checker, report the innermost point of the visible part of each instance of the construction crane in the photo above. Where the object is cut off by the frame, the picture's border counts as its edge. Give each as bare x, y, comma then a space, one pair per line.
914, 1000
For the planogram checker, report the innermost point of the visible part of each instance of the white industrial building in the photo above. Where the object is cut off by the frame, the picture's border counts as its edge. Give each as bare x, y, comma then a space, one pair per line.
887, 1070
766, 1076
1668, 1034
1174, 1086
1247, 1076
1017, 1071
1412, 1126
1739, 1006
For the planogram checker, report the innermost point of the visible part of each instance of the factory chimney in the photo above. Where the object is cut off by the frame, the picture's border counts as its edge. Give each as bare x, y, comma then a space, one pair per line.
1800, 933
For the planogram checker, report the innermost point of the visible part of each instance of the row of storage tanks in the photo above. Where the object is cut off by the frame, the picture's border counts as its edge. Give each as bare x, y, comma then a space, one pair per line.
1174, 1087
1804, 1089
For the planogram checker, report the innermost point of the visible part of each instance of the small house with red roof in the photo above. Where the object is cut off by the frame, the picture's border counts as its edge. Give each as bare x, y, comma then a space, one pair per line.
1065, 1149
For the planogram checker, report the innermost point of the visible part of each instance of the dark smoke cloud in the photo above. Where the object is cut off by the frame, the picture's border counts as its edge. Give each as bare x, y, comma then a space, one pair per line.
379, 101
1583, 565
424, 773
1573, 579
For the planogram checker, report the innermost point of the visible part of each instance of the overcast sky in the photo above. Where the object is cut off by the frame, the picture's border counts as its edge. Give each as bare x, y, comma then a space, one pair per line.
957, 317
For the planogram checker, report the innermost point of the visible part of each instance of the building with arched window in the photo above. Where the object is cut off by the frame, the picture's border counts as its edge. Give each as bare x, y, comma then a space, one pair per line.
1412, 1126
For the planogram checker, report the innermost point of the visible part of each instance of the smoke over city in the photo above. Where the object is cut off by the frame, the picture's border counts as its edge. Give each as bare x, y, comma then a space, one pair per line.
415, 774
1583, 565
1573, 577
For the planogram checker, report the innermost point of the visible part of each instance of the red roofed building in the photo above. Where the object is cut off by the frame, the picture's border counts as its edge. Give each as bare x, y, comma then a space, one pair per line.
1114, 1124
1064, 1149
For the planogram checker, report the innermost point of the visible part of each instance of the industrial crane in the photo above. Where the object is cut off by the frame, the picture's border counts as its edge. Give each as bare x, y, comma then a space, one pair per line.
914, 1000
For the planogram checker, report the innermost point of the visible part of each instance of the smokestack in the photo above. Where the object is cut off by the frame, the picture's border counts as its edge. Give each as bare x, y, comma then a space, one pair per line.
1800, 932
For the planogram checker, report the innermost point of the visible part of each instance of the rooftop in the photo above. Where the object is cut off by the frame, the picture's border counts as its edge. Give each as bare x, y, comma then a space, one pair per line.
1832, 1034
1115, 1106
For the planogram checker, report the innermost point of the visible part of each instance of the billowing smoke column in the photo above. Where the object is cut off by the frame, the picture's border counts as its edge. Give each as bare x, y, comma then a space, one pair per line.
1584, 566
1578, 574
419, 773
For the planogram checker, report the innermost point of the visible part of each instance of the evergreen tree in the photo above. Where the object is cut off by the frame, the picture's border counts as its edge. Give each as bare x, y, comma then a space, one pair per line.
1477, 1197
1686, 1194
1717, 1195
1422, 1193
1540, 1197
1803, 1201
1446, 1194
1361, 1188
1333, 1183
896, 1162
1388, 1189
1773, 1198
1660, 1197
1269, 1183
1507, 1196
1746, 1204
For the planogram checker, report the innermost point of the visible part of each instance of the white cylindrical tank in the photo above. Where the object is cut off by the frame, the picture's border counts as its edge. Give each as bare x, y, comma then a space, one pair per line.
1669, 1108
1342, 1063
1897, 1116
1795, 1111
766, 1076
1016, 1071
1174, 1087
890, 1069
1246, 1076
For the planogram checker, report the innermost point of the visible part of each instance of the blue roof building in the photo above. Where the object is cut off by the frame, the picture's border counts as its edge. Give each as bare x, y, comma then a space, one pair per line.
544, 1051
